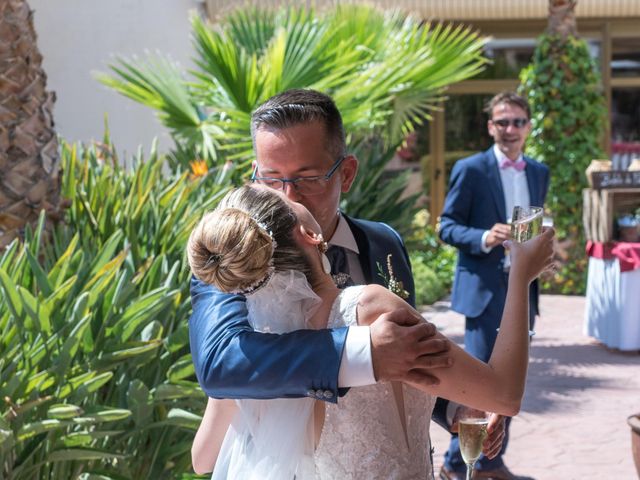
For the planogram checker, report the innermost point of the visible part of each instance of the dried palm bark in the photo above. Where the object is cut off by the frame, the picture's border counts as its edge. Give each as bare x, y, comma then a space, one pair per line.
29, 161
562, 18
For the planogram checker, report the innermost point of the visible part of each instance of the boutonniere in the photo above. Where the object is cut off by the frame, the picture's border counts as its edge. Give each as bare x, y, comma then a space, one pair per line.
391, 281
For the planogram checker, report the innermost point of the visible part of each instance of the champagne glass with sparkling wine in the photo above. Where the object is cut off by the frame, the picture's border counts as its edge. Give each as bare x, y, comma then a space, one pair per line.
471, 434
526, 223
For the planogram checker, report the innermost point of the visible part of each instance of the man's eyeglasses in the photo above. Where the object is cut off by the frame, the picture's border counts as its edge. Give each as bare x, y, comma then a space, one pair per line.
516, 122
314, 185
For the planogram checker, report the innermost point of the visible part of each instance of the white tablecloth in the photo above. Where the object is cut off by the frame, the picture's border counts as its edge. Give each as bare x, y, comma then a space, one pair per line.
612, 313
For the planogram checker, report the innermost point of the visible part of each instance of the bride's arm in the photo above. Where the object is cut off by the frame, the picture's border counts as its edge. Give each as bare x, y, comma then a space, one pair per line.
208, 440
498, 385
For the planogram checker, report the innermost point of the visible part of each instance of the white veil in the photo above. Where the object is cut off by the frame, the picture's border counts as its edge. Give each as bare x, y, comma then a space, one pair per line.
273, 439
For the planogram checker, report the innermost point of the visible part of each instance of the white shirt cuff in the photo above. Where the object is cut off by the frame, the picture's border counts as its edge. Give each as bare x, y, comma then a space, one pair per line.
483, 243
356, 366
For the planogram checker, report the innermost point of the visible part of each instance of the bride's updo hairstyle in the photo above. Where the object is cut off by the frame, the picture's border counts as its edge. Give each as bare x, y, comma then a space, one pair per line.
249, 235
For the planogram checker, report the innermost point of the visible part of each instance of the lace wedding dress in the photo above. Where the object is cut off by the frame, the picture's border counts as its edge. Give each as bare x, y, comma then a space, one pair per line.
379, 431
364, 433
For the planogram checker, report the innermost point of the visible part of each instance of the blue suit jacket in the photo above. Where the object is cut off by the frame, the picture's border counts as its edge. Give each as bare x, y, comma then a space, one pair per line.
475, 203
233, 361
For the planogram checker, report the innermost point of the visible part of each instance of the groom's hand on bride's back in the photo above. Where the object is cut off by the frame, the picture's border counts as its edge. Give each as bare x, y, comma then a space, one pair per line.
404, 348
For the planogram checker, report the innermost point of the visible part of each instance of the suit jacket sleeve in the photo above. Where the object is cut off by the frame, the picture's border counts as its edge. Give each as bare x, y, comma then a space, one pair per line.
234, 361
439, 413
545, 188
454, 221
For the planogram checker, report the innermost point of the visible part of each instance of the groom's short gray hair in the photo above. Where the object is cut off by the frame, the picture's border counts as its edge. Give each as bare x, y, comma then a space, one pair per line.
300, 106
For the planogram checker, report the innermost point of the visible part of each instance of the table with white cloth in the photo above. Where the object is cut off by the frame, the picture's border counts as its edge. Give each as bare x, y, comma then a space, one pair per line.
612, 313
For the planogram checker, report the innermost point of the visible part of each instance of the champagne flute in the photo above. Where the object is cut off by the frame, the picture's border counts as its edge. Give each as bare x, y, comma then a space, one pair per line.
471, 434
526, 223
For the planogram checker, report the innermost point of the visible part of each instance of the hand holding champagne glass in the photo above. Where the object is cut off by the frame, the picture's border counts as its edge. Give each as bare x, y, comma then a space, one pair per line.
471, 435
526, 223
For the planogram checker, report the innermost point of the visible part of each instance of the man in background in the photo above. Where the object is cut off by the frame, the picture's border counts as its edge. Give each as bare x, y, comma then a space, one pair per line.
483, 189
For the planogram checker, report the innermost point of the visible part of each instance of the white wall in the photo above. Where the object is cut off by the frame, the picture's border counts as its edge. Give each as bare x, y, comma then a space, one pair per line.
78, 37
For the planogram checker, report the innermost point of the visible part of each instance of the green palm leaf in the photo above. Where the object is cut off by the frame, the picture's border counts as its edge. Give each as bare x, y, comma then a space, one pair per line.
385, 70
233, 77
158, 83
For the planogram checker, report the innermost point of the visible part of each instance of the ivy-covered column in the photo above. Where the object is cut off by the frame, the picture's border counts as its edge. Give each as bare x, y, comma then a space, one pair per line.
565, 93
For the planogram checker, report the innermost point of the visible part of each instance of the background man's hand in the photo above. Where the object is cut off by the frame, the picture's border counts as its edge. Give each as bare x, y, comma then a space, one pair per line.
495, 436
495, 430
403, 349
498, 234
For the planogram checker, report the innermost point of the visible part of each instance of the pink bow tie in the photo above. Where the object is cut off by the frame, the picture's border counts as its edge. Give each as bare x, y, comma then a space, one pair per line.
519, 165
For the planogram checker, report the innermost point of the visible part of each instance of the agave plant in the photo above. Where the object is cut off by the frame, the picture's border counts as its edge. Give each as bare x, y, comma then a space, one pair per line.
95, 370
385, 70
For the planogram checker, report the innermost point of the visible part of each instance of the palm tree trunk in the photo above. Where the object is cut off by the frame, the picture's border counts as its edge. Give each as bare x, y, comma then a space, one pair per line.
29, 161
562, 18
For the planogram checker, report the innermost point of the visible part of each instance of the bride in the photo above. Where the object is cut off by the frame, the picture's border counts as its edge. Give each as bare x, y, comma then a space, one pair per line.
260, 244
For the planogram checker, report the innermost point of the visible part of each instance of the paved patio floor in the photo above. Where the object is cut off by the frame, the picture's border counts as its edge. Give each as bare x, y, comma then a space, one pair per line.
572, 425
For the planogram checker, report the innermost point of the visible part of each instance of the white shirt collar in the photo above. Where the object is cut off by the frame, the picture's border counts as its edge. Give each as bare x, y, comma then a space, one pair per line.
343, 236
501, 156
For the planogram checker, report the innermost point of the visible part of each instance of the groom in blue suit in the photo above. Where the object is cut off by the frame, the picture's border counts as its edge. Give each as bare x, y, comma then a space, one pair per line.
300, 148
483, 189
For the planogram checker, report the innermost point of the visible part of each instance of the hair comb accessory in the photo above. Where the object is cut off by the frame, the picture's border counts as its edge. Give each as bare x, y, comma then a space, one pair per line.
213, 259
261, 282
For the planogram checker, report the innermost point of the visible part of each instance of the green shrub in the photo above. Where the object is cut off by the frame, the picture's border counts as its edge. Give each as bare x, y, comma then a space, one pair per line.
425, 247
376, 194
433, 262
95, 370
429, 288
564, 91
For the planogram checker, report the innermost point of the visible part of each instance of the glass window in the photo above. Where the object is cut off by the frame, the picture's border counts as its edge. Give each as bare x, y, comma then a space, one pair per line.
465, 127
625, 114
625, 126
625, 57
508, 57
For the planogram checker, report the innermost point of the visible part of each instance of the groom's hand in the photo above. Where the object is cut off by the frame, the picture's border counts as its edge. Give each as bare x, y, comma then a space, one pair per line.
403, 348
